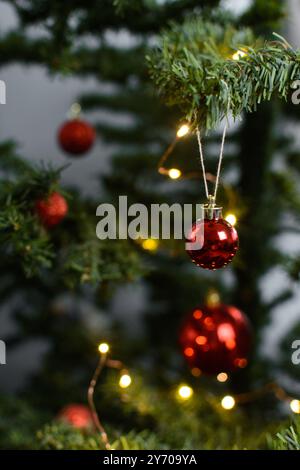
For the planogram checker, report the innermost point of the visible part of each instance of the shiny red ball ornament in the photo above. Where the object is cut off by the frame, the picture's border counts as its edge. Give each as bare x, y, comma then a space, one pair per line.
77, 416
76, 137
215, 339
215, 240
52, 209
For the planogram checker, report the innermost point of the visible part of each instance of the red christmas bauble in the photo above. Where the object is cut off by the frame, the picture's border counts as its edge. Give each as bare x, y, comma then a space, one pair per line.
78, 416
216, 339
76, 137
52, 210
217, 241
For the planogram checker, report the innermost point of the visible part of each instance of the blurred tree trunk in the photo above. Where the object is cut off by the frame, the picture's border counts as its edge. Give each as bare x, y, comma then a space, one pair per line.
256, 225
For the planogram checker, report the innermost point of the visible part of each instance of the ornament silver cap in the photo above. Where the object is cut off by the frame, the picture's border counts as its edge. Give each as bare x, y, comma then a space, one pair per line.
210, 210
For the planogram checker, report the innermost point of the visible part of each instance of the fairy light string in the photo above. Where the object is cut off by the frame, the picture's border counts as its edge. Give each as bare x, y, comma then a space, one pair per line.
103, 349
184, 391
173, 173
124, 382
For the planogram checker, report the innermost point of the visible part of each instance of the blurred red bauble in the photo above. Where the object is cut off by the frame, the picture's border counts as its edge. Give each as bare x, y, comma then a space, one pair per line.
78, 416
52, 209
217, 240
216, 339
76, 137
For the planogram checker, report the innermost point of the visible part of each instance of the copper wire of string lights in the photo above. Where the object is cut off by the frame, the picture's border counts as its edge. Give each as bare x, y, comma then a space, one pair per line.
184, 392
175, 173
90, 396
125, 381
229, 401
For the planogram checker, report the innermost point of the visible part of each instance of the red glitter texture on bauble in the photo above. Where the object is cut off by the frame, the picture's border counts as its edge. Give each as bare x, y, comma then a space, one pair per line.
76, 137
77, 416
216, 339
52, 209
218, 241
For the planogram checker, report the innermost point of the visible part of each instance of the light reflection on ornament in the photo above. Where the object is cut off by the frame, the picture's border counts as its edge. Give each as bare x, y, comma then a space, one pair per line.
189, 352
201, 340
197, 314
214, 340
222, 235
225, 332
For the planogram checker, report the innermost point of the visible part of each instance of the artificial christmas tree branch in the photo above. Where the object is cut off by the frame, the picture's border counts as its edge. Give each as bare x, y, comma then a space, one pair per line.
141, 417
206, 69
72, 252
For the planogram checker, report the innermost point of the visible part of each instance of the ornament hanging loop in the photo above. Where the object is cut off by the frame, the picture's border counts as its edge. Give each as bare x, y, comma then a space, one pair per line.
212, 198
211, 201
220, 161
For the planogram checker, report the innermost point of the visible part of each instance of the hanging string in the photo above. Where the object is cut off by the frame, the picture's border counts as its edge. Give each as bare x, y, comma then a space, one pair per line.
220, 161
213, 197
202, 162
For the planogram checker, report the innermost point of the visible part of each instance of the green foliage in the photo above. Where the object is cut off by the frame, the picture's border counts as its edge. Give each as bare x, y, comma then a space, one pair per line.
142, 417
194, 69
64, 262
288, 439
62, 437
18, 424
74, 251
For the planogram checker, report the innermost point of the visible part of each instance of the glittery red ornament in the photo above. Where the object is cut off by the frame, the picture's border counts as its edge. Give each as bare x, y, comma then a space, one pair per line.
76, 137
216, 339
78, 416
217, 240
52, 210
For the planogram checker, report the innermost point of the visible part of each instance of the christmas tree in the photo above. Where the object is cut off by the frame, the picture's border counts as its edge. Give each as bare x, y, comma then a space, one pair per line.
173, 71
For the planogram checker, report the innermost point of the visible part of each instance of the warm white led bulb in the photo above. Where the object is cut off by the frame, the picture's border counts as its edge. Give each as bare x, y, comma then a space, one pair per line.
238, 55
150, 244
183, 130
174, 173
295, 406
185, 392
231, 218
222, 377
228, 402
125, 381
103, 348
